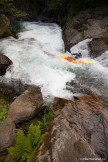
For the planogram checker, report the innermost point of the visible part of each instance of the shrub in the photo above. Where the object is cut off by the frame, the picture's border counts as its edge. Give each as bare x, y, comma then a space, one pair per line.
8, 7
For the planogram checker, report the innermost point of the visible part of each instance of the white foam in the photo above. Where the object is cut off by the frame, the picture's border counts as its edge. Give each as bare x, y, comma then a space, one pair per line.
103, 59
32, 65
34, 55
81, 47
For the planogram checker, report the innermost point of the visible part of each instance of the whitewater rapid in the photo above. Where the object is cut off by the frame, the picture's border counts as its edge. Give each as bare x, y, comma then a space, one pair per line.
35, 62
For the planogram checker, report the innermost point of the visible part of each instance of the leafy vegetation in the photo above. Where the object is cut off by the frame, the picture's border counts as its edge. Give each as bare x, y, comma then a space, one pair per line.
27, 144
8, 7
54, 8
65, 10
3, 108
3, 113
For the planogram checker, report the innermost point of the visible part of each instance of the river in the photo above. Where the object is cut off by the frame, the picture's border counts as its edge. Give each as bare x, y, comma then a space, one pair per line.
35, 61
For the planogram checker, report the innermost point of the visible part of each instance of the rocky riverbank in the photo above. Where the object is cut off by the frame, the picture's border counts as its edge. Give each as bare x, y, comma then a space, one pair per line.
78, 131
71, 130
88, 24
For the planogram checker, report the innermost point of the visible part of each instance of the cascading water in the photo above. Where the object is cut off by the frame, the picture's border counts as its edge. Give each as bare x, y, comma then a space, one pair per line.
34, 55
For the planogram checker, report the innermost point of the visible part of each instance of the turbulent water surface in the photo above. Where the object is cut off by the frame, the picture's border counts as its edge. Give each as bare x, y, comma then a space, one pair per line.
35, 61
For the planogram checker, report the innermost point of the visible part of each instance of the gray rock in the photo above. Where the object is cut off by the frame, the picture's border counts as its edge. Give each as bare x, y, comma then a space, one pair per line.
26, 105
97, 27
88, 24
5, 62
79, 132
71, 37
7, 134
98, 46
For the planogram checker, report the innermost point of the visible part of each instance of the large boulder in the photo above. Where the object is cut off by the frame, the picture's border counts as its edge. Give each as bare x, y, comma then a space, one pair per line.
7, 134
26, 105
79, 132
98, 46
71, 37
5, 29
5, 62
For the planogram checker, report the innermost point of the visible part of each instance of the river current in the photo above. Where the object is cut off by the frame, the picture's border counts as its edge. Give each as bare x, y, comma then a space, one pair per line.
35, 61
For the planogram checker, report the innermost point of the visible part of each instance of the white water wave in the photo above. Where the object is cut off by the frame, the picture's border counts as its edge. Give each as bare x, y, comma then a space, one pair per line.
35, 61
32, 62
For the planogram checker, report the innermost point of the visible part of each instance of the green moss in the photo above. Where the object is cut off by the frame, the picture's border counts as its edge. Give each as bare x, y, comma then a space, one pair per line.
2, 158
59, 103
3, 108
3, 113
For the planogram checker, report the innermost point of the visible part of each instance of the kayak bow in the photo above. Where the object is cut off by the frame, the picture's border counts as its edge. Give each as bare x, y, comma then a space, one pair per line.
78, 61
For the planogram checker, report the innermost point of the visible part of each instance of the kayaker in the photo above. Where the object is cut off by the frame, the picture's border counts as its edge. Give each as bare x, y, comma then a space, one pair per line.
75, 55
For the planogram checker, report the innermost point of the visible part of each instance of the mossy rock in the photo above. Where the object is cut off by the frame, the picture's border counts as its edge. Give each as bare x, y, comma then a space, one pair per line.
5, 29
59, 103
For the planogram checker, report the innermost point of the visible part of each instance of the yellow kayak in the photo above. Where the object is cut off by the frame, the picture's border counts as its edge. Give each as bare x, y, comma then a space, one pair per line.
78, 61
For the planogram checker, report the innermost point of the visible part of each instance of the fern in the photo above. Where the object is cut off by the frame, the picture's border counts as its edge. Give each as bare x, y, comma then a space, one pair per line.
26, 146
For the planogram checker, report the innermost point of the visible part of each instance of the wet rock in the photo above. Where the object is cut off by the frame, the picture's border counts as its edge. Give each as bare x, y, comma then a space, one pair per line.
7, 134
71, 37
4, 26
8, 91
98, 46
96, 27
88, 24
96, 123
79, 132
26, 105
5, 62
59, 103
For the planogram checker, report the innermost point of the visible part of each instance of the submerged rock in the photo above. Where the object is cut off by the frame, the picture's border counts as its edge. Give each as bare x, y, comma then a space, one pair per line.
5, 62
7, 134
26, 105
79, 132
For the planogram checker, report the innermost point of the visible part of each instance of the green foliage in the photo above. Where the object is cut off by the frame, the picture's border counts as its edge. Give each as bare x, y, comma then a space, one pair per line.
3, 108
27, 145
59, 7
3, 113
47, 119
43, 119
70, 8
8, 7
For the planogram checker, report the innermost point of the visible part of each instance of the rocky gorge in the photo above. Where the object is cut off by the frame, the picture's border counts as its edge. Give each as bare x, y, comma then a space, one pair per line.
78, 130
